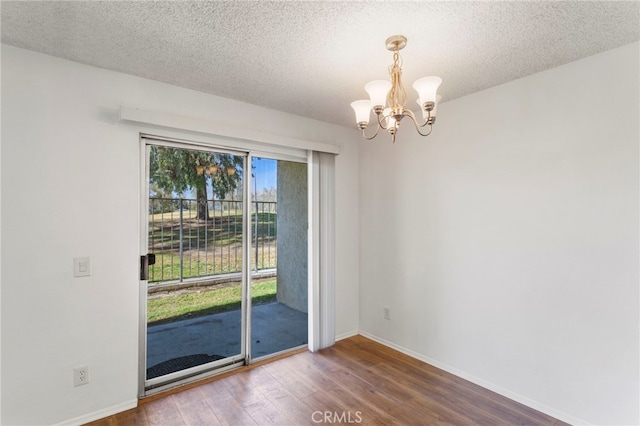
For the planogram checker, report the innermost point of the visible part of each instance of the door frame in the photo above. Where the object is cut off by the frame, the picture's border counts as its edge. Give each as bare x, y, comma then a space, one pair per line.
205, 133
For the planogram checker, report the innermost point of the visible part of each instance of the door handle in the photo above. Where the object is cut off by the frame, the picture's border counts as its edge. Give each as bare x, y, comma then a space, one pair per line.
145, 261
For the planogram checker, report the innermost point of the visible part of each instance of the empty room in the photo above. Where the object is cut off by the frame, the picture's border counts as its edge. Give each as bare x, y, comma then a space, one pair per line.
288, 212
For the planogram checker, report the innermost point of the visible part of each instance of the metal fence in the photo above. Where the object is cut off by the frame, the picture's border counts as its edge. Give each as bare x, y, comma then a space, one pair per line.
194, 240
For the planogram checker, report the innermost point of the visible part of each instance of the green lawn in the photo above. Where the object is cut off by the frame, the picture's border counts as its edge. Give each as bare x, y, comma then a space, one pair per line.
189, 305
167, 266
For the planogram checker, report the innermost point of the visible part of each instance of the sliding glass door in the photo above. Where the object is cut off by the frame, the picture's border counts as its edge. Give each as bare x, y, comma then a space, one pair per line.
224, 260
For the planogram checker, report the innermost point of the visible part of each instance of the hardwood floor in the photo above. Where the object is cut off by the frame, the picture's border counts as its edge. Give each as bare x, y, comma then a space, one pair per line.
355, 381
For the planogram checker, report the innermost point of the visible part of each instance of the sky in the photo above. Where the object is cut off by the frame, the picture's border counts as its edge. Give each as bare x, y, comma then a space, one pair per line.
264, 170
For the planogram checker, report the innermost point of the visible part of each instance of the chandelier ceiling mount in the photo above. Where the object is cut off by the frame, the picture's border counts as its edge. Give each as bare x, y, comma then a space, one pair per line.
396, 42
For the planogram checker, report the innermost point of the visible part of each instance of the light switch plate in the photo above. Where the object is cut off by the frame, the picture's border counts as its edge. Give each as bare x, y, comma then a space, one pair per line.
81, 266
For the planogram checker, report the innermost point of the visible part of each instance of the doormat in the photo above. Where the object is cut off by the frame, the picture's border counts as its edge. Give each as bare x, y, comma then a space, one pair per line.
180, 363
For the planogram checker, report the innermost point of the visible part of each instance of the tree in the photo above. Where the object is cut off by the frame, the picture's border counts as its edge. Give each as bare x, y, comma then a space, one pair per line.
177, 170
162, 202
268, 194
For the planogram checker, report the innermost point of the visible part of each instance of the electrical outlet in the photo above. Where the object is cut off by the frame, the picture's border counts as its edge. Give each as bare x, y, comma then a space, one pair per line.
80, 376
387, 313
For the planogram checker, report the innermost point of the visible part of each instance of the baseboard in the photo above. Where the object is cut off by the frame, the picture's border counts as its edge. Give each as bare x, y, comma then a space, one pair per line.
100, 414
346, 335
480, 382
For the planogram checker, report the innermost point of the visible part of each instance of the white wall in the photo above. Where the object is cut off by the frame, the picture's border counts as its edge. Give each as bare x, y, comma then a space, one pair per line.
70, 187
506, 244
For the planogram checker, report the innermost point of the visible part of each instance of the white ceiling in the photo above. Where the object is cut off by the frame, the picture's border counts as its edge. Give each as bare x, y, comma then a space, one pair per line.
313, 58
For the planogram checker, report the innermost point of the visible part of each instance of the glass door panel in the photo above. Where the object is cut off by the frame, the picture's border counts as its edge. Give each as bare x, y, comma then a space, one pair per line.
278, 256
194, 308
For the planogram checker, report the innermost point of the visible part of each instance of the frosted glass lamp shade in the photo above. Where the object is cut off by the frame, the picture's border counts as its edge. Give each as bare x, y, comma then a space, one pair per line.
435, 107
377, 90
362, 109
427, 88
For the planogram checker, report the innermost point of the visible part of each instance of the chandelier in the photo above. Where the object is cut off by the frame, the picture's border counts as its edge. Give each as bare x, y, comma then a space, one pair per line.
388, 99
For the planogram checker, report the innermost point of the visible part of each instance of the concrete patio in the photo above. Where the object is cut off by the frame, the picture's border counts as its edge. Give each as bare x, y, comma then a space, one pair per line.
274, 328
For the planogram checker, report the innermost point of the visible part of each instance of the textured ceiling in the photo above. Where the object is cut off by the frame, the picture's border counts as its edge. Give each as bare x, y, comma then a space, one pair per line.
313, 58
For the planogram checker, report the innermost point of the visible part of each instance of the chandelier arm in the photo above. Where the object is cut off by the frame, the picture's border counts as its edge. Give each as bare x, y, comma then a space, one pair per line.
425, 134
381, 118
364, 135
410, 114
428, 120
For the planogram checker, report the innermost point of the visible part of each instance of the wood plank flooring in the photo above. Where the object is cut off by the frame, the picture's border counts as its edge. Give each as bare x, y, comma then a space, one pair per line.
357, 381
